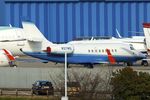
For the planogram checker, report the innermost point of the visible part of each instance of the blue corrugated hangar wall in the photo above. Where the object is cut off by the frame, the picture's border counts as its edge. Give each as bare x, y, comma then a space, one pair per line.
64, 20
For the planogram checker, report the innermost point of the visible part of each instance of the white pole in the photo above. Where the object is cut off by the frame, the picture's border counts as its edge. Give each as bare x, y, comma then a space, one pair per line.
65, 97
65, 74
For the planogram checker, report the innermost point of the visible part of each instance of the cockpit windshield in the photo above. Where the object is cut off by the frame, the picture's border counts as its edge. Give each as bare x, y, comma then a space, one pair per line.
131, 47
93, 38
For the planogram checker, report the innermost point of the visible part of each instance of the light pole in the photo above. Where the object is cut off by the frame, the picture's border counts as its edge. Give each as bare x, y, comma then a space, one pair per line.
65, 97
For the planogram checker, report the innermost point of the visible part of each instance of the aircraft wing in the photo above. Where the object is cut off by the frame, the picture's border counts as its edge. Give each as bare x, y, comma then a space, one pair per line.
31, 60
103, 62
34, 39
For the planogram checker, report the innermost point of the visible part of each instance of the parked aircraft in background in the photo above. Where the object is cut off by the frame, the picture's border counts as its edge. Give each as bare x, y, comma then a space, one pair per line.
146, 28
12, 39
6, 58
80, 52
138, 42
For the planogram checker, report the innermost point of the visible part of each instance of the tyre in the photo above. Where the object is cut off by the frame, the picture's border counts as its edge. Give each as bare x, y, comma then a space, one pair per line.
90, 66
144, 63
37, 93
129, 64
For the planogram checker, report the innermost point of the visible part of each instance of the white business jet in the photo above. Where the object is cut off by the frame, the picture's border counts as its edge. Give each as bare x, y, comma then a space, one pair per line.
79, 52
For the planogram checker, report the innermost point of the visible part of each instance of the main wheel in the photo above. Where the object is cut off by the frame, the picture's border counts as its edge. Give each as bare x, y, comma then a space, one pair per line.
37, 93
68, 66
127, 64
89, 65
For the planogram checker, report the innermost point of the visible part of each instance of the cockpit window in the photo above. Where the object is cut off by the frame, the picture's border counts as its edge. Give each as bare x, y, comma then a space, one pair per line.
131, 47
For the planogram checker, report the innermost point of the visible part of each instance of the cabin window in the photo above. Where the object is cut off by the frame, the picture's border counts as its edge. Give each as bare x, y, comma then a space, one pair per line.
131, 47
99, 50
88, 50
102, 50
112, 50
92, 50
115, 50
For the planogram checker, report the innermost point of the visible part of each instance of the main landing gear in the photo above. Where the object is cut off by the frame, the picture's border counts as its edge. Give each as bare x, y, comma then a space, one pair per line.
127, 64
12, 64
89, 65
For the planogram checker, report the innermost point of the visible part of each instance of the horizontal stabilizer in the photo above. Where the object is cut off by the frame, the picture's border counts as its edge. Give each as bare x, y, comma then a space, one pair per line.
34, 39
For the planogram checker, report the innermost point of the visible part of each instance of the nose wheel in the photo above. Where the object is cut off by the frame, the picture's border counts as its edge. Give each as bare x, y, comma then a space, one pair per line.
144, 63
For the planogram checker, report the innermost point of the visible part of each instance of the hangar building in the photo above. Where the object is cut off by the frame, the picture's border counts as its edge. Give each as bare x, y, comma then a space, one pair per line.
65, 20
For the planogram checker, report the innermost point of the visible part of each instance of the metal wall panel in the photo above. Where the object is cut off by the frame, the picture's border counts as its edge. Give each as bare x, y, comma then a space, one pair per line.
24, 77
2, 12
64, 21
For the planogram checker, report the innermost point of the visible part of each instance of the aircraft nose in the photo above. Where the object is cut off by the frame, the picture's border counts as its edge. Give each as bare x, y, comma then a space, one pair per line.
142, 56
139, 55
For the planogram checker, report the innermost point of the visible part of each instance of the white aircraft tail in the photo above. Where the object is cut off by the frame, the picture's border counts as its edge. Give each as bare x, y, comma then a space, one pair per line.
146, 28
32, 32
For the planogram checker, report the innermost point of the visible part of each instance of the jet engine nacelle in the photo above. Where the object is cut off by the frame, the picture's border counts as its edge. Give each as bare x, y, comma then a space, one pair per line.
4, 59
60, 49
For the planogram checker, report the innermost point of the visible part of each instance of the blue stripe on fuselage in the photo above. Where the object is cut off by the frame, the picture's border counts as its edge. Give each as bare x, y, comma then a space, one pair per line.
81, 58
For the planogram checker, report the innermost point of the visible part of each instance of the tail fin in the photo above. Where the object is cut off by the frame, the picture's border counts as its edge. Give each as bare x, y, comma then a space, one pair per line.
32, 32
146, 28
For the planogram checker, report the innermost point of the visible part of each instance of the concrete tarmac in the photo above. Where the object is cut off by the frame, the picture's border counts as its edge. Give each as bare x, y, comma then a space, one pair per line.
28, 72
35, 64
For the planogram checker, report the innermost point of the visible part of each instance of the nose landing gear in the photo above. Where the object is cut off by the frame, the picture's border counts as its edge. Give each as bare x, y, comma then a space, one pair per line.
144, 63
89, 65
127, 64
